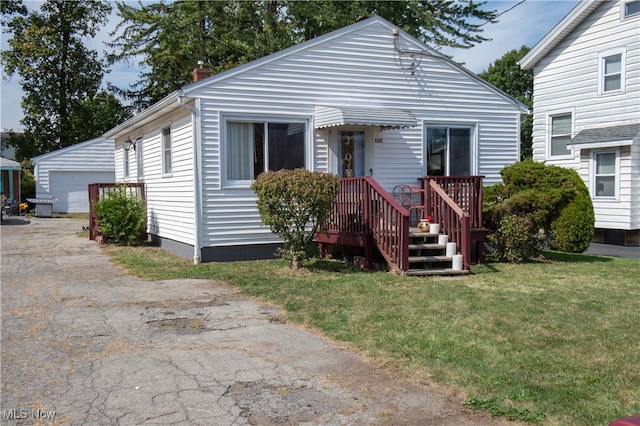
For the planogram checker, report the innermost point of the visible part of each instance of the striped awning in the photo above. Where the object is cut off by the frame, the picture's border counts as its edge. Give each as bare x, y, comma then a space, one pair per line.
331, 116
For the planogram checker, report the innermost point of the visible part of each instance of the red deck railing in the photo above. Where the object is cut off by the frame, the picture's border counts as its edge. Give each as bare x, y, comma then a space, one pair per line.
98, 189
364, 214
464, 191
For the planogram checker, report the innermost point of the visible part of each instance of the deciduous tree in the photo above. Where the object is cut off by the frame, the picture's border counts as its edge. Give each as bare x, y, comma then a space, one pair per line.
506, 74
61, 78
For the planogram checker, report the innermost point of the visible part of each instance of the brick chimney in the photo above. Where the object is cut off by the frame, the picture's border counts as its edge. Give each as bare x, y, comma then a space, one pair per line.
200, 73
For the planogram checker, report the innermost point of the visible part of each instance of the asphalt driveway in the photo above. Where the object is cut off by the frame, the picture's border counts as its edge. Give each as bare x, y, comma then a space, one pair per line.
85, 344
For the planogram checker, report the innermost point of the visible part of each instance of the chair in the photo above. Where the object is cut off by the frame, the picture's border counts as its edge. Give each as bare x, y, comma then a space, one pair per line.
411, 198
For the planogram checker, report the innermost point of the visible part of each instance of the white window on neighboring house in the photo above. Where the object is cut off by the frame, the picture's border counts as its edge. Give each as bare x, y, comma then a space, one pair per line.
561, 129
631, 9
166, 151
611, 72
604, 174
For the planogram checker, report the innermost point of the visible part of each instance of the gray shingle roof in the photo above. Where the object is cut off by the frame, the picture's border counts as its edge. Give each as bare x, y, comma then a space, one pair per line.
606, 134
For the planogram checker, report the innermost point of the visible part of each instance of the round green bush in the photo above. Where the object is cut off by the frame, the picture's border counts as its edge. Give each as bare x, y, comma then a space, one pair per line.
555, 201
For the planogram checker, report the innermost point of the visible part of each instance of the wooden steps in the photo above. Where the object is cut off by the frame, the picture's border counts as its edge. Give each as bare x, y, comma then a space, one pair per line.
427, 257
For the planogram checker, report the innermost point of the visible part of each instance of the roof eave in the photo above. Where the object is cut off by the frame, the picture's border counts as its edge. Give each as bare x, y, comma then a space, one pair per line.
558, 33
156, 110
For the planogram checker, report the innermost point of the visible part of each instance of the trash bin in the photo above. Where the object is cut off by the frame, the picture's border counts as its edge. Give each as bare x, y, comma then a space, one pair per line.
44, 206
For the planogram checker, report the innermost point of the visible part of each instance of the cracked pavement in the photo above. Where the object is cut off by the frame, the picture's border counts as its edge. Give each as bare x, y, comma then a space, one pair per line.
85, 344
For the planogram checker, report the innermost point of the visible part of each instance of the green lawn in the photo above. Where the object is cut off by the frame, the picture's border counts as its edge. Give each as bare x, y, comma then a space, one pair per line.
554, 342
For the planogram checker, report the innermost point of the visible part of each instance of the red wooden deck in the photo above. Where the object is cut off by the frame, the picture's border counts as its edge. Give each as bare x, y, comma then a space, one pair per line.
367, 216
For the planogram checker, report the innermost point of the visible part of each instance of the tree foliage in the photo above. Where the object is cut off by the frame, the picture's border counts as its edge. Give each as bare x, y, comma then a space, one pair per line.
294, 203
506, 74
555, 202
60, 77
169, 38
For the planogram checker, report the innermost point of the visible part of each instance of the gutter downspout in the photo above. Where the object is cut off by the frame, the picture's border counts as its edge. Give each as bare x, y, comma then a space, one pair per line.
197, 175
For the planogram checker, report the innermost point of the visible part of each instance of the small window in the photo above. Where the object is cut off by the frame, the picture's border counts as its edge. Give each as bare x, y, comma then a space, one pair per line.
560, 134
166, 151
631, 8
605, 172
125, 163
449, 151
612, 73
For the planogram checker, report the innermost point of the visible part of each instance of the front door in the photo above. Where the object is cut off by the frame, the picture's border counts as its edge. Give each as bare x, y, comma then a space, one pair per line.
351, 158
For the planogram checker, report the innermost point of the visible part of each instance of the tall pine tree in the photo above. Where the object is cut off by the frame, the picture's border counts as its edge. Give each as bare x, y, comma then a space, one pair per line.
169, 38
61, 78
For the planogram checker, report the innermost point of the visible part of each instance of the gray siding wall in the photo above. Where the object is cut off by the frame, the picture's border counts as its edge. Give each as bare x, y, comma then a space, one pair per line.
566, 81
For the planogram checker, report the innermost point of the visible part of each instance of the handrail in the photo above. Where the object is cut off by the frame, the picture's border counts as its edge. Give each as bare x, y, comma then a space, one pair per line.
454, 221
362, 206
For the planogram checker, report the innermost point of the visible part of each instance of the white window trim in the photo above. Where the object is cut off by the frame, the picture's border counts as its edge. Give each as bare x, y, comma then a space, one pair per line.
550, 115
166, 173
473, 126
592, 175
259, 118
623, 60
622, 14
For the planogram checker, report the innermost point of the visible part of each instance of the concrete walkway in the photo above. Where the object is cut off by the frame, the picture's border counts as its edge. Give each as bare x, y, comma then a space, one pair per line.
85, 344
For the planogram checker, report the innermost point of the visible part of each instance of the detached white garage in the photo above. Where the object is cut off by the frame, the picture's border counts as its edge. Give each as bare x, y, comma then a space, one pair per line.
65, 174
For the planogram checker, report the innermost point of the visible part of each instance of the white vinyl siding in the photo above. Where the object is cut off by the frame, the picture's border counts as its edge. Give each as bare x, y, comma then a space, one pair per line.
356, 70
92, 161
571, 77
170, 197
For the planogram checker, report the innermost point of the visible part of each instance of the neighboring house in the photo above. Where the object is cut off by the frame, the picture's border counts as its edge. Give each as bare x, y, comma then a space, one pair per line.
587, 109
366, 100
10, 181
66, 173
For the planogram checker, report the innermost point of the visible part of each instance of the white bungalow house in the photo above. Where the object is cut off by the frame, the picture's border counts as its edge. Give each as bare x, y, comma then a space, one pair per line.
587, 109
65, 174
364, 101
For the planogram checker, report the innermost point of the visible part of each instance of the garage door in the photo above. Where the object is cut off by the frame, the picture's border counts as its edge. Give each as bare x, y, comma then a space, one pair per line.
70, 188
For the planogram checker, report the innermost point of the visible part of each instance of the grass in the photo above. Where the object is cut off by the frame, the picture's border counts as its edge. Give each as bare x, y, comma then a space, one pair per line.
552, 342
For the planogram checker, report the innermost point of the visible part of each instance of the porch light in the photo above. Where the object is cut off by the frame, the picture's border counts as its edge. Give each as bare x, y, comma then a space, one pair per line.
129, 145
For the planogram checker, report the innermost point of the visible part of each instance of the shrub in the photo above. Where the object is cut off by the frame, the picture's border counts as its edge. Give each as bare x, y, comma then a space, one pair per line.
121, 216
294, 203
554, 200
573, 230
515, 240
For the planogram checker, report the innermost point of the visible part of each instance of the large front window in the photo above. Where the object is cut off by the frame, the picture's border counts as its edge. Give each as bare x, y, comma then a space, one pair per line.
560, 134
449, 151
256, 147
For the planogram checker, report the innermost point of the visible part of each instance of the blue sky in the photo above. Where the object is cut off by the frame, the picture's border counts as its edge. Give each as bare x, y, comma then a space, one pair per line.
525, 24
